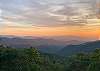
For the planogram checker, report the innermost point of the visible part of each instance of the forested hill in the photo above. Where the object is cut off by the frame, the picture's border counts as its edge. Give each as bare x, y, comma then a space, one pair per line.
29, 59
84, 47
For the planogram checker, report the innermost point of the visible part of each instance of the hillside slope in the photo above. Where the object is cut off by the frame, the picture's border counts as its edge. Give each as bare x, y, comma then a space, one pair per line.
74, 49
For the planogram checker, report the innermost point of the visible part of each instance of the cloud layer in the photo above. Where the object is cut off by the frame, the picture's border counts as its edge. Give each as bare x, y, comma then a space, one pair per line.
49, 13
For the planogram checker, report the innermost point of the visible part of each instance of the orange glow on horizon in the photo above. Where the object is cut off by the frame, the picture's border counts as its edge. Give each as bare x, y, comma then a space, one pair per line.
62, 31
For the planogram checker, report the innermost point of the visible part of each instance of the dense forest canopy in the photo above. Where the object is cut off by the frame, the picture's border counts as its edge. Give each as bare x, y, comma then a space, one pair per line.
30, 59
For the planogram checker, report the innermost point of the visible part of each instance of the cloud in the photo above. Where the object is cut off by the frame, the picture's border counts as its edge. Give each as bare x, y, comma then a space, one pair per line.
48, 13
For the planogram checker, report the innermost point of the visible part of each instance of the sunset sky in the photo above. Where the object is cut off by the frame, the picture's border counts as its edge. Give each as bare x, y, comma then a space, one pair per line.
50, 18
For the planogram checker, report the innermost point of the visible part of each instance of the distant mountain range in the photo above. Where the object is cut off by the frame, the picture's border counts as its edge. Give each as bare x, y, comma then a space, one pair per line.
10, 41
84, 47
62, 46
47, 45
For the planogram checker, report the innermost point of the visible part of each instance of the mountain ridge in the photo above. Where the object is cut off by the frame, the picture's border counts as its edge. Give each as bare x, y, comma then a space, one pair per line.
84, 47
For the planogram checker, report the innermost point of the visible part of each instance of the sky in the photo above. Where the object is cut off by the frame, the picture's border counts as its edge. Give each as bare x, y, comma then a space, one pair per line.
50, 18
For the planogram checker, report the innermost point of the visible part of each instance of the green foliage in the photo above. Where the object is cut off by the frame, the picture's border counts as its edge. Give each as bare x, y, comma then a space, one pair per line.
85, 62
29, 59
12, 59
